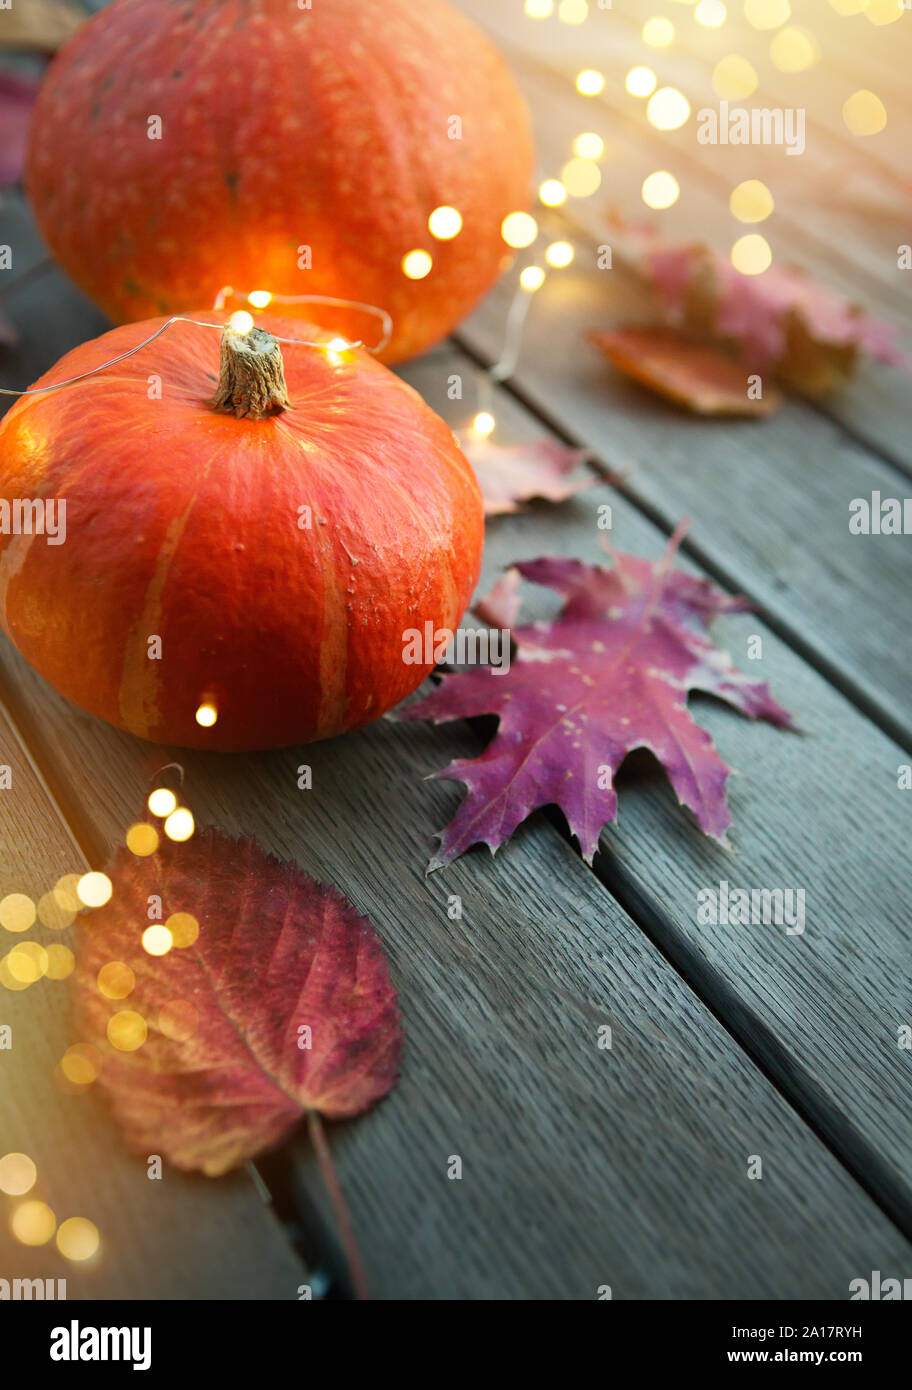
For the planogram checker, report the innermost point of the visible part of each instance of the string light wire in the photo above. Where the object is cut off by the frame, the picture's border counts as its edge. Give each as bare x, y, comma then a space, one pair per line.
386, 323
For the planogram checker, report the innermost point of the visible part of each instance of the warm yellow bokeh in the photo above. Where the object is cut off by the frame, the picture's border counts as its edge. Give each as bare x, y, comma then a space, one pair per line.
794, 50
142, 839
127, 1030
116, 980
751, 254
668, 109
751, 201
660, 189
77, 1238
17, 912
864, 113
734, 78
18, 1174
33, 1223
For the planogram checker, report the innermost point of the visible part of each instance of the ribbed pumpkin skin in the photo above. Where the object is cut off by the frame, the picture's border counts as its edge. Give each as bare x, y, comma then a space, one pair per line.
184, 523
281, 128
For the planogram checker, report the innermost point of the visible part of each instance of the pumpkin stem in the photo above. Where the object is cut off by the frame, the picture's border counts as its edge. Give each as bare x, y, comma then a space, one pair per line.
251, 382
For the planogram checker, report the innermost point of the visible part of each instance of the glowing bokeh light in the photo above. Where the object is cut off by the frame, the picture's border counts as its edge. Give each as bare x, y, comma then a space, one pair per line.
27, 962
573, 11
115, 980
94, 889
539, 9
17, 912
127, 1030
259, 298
552, 193
660, 189
581, 177
184, 928
33, 1223
180, 824
519, 230
751, 201
18, 1174
60, 962
864, 113
767, 14
162, 802
883, 11
668, 109
590, 82
711, 13
559, 254
734, 78
207, 714
157, 940
658, 33
444, 223
640, 82
532, 278
794, 50
241, 322
751, 254
483, 423
81, 1064
142, 839
589, 145
416, 265
77, 1238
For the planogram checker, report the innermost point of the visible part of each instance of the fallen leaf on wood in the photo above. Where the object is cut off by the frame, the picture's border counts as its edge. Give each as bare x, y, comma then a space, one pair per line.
610, 674
509, 474
700, 378
44, 25
17, 97
780, 321
500, 608
281, 1006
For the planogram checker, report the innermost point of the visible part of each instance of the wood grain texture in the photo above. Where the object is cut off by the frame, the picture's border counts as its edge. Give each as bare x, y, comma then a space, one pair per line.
769, 502
180, 1237
581, 1167
821, 811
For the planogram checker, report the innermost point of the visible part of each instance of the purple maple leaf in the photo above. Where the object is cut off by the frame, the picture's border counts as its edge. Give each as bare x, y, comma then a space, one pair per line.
509, 474
610, 674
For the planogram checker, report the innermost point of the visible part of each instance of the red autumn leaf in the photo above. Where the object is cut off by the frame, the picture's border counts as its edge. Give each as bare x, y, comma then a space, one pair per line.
227, 1067
610, 674
500, 607
512, 473
17, 97
780, 320
700, 378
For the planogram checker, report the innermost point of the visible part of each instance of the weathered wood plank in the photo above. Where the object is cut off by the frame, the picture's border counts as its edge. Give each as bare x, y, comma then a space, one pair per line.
821, 812
576, 1173
769, 502
581, 1167
180, 1237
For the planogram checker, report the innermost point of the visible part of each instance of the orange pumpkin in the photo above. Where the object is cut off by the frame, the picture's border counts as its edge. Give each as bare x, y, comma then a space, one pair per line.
180, 147
237, 538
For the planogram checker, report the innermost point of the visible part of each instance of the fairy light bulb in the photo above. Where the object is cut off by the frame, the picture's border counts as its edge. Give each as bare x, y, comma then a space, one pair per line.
559, 254
519, 230
552, 193
416, 265
590, 82
532, 278
206, 715
241, 322
162, 801
444, 223
259, 298
484, 423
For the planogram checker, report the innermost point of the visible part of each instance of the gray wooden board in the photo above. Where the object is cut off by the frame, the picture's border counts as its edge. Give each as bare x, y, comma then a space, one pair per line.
820, 812
769, 501
179, 1237
581, 1167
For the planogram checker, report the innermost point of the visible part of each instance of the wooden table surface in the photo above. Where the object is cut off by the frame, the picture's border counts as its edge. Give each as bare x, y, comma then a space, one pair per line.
581, 1167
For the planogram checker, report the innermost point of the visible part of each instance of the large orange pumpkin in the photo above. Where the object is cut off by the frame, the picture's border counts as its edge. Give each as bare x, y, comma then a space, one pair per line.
235, 541
296, 150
